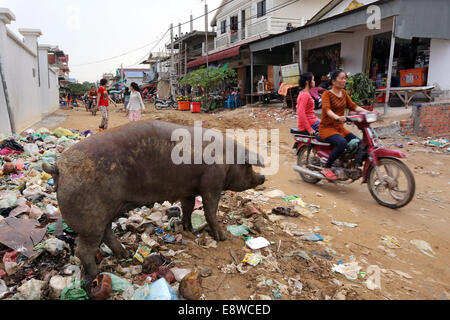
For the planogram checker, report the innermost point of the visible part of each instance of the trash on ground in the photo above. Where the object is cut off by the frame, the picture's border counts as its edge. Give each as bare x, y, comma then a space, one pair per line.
252, 259
424, 247
257, 243
345, 224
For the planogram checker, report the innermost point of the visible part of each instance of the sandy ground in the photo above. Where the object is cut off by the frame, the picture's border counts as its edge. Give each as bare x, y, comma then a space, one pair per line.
406, 272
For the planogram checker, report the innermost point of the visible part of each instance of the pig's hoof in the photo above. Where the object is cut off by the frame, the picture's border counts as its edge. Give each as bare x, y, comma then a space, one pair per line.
219, 236
188, 227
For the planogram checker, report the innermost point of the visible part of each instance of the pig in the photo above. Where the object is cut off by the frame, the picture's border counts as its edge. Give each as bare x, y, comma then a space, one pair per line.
129, 167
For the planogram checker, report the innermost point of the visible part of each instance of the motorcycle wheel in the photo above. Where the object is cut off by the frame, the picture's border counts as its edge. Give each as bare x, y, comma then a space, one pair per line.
175, 106
398, 186
158, 106
152, 100
301, 162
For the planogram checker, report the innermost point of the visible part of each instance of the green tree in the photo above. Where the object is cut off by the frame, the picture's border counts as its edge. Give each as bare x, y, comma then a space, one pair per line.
208, 79
361, 89
78, 88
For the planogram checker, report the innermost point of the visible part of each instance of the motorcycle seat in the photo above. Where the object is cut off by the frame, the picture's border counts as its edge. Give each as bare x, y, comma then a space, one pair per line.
317, 141
295, 131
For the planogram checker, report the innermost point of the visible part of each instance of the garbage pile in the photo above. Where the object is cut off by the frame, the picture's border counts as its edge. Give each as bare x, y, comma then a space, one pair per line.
265, 247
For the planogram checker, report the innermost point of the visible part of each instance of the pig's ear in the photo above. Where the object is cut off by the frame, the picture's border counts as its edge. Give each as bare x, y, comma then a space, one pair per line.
251, 156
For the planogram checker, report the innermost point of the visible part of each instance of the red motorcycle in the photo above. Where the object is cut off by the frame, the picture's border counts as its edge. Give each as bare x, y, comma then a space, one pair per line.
389, 180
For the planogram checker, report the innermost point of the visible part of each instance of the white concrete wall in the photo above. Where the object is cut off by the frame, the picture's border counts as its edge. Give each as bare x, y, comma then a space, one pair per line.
53, 91
297, 12
49, 85
23, 89
439, 70
353, 45
33, 89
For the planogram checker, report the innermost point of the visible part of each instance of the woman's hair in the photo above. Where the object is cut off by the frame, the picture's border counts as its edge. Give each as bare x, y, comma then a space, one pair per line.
335, 74
306, 77
135, 86
103, 82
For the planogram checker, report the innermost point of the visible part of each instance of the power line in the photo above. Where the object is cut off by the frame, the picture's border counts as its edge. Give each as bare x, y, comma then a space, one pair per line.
140, 60
118, 56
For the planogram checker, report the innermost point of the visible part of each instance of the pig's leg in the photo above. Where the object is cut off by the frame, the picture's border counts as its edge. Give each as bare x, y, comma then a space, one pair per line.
187, 204
210, 204
114, 244
86, 249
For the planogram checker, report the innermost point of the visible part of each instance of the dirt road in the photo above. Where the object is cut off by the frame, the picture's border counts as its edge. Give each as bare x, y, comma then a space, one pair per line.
406, 273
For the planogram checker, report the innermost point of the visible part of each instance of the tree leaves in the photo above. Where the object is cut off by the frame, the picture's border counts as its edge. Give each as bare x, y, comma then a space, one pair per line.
361, 89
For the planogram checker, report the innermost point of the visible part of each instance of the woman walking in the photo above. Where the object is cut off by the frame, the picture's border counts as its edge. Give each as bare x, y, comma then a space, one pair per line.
136, 105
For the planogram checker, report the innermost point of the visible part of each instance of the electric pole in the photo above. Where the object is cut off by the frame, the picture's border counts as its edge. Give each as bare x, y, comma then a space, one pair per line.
172, 66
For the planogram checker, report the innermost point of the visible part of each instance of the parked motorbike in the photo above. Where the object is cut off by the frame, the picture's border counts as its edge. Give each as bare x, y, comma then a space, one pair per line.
390, 182
166, 103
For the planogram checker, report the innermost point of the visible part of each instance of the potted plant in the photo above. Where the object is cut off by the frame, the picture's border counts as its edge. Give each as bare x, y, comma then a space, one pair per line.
183, 103
207, 79
362, 90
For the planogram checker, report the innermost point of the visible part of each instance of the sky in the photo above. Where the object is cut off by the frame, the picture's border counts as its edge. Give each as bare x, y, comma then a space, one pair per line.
93, 30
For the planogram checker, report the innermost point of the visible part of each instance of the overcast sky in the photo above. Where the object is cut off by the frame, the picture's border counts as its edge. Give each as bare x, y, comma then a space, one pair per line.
93, 30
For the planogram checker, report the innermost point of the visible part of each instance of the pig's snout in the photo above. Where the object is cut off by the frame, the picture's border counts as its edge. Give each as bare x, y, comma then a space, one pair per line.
262, 179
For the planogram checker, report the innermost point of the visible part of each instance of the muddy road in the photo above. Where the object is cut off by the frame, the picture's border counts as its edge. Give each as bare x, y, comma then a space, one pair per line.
406, 273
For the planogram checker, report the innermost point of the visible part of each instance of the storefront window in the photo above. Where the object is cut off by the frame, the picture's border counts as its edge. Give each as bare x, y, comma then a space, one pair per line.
324, 60
411, 57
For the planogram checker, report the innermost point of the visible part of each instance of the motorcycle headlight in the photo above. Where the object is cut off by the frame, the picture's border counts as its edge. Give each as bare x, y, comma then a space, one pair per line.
371, 117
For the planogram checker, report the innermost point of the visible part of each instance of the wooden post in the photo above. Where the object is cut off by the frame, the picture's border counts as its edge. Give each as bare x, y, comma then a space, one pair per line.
391, 60
300, 56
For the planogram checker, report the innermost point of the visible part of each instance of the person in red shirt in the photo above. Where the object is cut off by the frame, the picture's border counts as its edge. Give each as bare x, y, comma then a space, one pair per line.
307, 119
103, 100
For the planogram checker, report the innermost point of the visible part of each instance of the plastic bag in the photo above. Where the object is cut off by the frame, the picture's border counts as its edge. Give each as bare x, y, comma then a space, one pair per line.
74, 291
117, 283
32, 289
161, 290
349, 270
238, 231
257, 243
62, 132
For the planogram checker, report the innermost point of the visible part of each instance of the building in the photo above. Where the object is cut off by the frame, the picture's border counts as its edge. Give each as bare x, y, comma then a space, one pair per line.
240, 23
189, 47
29, 84
339, 36
133, 75
158, 67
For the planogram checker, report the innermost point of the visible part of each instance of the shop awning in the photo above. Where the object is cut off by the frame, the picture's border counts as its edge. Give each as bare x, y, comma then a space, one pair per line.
215, 57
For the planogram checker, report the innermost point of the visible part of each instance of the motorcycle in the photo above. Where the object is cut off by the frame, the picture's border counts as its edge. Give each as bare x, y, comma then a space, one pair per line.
166, 103
390, 182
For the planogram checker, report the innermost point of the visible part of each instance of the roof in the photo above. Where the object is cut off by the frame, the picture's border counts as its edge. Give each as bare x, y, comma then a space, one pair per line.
325, 10
434, 22
222, 4
189, 36
134, 74
215, 57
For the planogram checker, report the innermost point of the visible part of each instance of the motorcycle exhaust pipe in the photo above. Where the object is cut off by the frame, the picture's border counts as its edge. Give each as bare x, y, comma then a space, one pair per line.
309, 172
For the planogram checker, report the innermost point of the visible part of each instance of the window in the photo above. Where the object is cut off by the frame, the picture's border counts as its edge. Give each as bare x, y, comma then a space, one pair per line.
223, 26
234, 23
261, 8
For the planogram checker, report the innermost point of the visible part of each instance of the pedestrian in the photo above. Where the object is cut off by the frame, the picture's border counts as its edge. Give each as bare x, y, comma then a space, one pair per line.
307, 119
136, 105
332, 130
92, 94
103, 100
126, 95
69, 100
